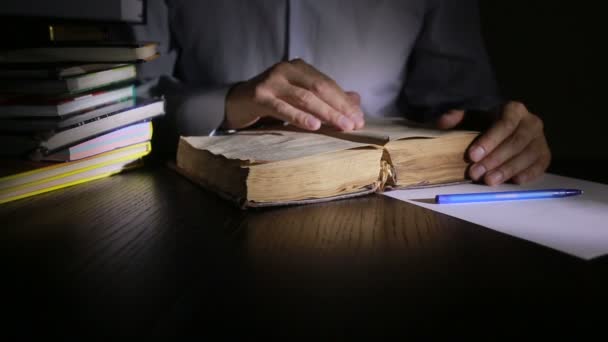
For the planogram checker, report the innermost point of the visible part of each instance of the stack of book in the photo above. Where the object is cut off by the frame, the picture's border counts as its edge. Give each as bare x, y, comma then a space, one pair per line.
69, 114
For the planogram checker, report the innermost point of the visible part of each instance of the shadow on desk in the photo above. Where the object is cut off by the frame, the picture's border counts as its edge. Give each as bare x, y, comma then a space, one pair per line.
147, 254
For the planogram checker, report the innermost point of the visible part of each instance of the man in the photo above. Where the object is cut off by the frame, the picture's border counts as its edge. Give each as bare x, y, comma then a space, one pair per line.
310, 62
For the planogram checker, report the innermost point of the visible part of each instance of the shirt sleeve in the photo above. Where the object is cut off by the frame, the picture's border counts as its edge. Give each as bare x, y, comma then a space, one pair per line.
449, 67
191, 110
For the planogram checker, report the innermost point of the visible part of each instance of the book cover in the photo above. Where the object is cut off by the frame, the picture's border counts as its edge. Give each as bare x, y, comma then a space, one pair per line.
54, 71
283, 165
38, 30
60, 11
82, 52
74, 84
31, 106
23, 178
33, 125
48, 142
126, 136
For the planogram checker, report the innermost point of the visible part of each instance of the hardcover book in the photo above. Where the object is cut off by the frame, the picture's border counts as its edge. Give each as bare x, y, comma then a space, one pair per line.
282, 165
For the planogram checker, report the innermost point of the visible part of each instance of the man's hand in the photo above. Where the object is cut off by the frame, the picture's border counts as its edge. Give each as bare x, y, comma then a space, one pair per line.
294, 92
513, 148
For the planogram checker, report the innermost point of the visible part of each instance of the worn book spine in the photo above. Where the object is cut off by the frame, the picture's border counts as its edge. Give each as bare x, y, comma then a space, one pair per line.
243, 203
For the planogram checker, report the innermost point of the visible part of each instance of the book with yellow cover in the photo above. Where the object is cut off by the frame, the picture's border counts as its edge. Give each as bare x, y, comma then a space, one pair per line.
24, 178
281, 165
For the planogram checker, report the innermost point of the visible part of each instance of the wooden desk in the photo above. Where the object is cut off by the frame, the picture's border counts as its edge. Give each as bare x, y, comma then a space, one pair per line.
148, 254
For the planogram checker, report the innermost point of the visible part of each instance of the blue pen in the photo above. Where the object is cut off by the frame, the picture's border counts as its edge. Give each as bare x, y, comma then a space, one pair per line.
506, 196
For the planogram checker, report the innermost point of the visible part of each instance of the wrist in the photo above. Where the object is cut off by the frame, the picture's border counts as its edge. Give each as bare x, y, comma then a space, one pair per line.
237, 114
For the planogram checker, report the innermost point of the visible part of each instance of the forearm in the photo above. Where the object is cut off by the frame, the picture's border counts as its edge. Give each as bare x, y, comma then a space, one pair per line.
449, 67
194, 111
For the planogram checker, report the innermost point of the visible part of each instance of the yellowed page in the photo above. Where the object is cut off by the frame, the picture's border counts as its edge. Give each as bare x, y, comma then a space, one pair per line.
269, 146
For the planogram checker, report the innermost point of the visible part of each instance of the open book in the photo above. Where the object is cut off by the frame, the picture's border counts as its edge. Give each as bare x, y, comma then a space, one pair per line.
282, 165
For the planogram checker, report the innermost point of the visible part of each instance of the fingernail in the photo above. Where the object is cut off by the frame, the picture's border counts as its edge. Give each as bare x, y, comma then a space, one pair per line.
495, 177
359, 122
477, 153
345, 123
312, 123
477, 171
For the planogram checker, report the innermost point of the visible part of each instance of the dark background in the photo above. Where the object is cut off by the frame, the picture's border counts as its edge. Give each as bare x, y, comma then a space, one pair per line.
544, 54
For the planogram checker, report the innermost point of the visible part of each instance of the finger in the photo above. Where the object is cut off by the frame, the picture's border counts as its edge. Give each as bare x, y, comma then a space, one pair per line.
503, 128
288, 113
522, 161
450, 119
308, 102
355, 97
306, 76
534, 171
512, 146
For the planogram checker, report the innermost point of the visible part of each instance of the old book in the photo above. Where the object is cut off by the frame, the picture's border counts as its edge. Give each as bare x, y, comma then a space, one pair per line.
281, 165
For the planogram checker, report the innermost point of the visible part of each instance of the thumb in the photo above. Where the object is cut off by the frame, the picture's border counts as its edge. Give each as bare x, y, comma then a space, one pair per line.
450, 119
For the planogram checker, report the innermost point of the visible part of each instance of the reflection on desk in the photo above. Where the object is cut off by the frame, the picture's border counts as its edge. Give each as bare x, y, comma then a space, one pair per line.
148, 254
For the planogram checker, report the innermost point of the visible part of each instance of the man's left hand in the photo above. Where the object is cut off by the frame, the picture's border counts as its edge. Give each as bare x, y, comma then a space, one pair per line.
513, 148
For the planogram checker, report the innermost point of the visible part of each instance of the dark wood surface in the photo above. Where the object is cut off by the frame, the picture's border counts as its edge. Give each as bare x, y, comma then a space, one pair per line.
148, 254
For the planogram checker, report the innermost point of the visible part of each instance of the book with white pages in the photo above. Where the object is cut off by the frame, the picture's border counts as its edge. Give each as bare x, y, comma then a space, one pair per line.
22, 178
31, 126
81, 52
45, 143
70, 85
51, 71
57, 107
130, 135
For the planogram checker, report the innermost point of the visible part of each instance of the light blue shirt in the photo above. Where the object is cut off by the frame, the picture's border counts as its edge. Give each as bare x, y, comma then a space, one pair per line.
419, 57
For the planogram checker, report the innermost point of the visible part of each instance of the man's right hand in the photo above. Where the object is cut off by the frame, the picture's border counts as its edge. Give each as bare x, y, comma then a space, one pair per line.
294, 92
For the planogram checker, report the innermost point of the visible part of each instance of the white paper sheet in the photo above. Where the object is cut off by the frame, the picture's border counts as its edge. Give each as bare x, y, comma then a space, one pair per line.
575, 225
